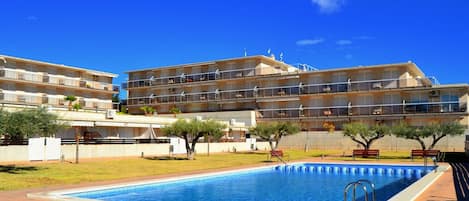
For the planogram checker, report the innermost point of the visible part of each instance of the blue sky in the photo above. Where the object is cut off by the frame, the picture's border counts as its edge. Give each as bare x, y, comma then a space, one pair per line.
117, 36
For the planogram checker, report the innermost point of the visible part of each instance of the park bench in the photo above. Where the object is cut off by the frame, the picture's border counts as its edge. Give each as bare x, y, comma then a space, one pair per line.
424, 153
365, 153
278, 154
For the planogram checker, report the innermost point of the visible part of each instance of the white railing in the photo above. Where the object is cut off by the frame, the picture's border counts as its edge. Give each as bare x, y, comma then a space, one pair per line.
54, 79
359, 110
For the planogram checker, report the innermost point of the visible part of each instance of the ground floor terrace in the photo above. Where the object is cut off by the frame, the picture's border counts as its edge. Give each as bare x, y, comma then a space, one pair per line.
20, 180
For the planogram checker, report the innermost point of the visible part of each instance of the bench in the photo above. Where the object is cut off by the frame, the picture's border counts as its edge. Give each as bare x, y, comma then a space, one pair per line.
278, 154
365, 153
424, 153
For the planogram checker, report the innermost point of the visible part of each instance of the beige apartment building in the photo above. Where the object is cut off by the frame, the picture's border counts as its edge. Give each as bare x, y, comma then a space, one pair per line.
25, 82
272, 90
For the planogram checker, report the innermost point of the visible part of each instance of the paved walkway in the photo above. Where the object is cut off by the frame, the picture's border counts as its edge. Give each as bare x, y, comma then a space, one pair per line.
441, 190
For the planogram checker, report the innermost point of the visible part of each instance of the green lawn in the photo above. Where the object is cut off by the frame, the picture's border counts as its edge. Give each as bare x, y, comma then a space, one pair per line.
47, 174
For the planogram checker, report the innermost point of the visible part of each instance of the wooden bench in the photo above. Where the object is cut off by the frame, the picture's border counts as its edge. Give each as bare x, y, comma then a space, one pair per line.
424, 153
278, 154
365, 153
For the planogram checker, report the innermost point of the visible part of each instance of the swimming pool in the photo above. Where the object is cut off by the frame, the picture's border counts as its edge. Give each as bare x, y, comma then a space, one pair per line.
305, 181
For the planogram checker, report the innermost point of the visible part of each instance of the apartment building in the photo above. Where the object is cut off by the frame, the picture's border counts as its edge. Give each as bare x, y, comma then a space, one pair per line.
276, 91
25, 82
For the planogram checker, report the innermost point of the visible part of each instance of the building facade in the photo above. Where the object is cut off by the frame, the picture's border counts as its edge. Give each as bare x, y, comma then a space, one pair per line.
317, 99
25, 82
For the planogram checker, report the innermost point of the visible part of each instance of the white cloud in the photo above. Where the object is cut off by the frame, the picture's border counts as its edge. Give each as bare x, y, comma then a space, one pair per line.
329, 6
31, 18
348, 56
364, 37
343, 42
309, 42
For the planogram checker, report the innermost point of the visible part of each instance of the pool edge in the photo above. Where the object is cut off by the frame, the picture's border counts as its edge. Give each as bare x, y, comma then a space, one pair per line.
412, 191
416, 189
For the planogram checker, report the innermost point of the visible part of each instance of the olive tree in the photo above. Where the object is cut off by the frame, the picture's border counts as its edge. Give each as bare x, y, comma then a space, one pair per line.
30, 123
191, 131
364, 134
3, 118
435, 132
273, 132
212, 130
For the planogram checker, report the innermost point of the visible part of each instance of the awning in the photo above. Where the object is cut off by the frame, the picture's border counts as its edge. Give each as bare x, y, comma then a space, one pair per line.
125, 124
110, 124
137, 125
79, 123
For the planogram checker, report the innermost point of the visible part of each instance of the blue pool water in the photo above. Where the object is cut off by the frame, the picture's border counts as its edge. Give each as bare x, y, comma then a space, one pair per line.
282, 183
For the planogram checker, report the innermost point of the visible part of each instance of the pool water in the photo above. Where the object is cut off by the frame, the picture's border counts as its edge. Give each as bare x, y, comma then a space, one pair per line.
282, 183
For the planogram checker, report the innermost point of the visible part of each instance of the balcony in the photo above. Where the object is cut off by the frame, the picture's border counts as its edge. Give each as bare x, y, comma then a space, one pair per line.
402, 109
41, 78
192, 78
278, 91
237, 94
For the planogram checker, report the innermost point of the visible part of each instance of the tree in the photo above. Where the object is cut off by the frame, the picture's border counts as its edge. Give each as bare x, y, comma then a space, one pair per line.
191, 131
147, 110
3, 119
273, 132
31, 123
70, 99
434, 131
365, 135
76, 106
212, 129
175, 111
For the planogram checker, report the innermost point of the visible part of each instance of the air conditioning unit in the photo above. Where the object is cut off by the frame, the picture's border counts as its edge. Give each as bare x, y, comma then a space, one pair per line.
434, 93
110, 114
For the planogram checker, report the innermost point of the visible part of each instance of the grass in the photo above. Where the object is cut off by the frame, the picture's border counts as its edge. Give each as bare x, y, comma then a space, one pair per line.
14, 177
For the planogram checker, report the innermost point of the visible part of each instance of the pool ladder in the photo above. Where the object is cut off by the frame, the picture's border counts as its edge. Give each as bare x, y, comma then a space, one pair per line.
362, 183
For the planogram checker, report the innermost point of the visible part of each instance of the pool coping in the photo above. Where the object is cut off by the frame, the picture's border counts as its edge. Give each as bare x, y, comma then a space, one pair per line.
412, 191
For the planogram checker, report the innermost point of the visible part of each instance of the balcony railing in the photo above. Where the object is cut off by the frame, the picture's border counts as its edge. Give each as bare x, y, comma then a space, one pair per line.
193, 97
56, 80
34, 100
189, 78
364, 110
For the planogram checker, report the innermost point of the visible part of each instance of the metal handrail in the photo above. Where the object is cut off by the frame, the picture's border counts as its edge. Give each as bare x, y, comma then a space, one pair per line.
371, 185
361, 183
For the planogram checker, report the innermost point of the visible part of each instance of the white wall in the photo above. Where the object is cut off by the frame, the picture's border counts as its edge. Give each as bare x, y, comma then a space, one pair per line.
337, 141
20, 152
14, 153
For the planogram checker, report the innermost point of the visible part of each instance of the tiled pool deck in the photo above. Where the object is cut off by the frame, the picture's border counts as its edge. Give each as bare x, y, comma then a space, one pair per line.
441, 189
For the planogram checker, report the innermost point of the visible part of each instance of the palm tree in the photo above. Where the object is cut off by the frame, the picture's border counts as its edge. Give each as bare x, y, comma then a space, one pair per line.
175, 111
76, 106
147, 110
70, 99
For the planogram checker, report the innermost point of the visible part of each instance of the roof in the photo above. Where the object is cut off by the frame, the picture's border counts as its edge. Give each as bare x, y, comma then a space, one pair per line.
412, 66
459, 85
261, 57
93, 72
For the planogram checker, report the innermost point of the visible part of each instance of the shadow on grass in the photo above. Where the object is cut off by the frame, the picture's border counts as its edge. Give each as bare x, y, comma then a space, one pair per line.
12, 169
166, 158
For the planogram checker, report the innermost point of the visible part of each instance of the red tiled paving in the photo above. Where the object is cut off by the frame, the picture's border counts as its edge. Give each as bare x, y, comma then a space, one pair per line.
441, 190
